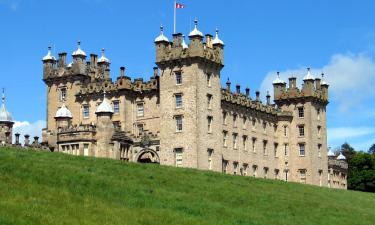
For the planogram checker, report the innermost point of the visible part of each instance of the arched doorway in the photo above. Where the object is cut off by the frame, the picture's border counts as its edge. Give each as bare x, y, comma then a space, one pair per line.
148, 156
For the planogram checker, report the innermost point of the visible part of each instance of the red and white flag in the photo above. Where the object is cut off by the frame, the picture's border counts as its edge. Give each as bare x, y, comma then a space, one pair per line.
179, 5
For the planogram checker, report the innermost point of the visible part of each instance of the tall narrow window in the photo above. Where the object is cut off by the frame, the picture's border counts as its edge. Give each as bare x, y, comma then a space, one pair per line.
225, 117
302, 176
225, 138
225, 166
234, 120
116, 107
140, 110
244, 121
235, 168
275, 149
244, 142
209, 122
208, 80
209, 101
301, 130
86, 111
286, 150
244, 170
265, 172
301, 149
319, 150
253, 122
285, 131
235, 141
265, 147
178, 156
140, 129
319, 129
255, 168
178, 78
62, 94
85, 149
178, 123
301, 112
253, 144
264, 127
276, 174
178, 100
210, 152
318, 114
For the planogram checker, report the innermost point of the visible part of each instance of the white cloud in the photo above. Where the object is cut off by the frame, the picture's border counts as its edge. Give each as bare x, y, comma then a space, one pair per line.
344, 133
32, 129
351, 78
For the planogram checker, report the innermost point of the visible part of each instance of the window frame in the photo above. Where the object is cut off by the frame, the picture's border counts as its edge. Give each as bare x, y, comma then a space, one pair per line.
140, 105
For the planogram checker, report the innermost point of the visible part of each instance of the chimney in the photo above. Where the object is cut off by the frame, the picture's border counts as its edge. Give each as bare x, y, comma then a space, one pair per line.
36, 141
292, 82
94, 60
177, 40
156, 71
17, 138
317, 83
268, 97
209, 41
122, 71
62, 59
228, 85
238, 89
257, 94
27, 141
247, 91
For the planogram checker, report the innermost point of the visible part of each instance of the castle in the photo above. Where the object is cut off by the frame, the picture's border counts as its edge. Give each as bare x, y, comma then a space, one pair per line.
183, 117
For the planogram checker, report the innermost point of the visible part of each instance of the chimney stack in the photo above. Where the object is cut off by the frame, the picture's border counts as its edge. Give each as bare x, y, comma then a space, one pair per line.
292, 82
238, 89
122, 71
17, 138
268, 97
94, 60
209, 41
247, 91
228, 85
257, 94
156, 71
62, 59
27, 141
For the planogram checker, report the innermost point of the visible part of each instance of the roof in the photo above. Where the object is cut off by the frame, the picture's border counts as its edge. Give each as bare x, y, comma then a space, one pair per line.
308, 75
184, 45
341, 157
278, 80
161, 37
63, 112
323, 82
217, 40
79, 51
104, 107
195, 31
103, 58
331, 153
49, 56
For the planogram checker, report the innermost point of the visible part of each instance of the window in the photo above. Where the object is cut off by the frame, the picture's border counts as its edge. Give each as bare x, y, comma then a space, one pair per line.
301, 112
210, 152
209, 122
253, 124
178, 123
285, 131
244, 142
275, 149
178, 100
225, 166
318, 114
225, 117
86, 111
85, 149
276, 174
62, 94
319, 129
225, 138
319, 150
140, 129
116, 107
286, 175
140, 110
235, 167
265, 172
302, 176
209, 101
244, 170
253, 144
255, 168
234, 120
275, 128
209, 80
320, 177
264, 126
178, 156
244, 122
301, 130
265, 147
301, 149
178, 78
286, 150
235, 141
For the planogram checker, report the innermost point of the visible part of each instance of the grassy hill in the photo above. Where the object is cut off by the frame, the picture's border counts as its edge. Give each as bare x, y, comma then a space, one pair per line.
52, 188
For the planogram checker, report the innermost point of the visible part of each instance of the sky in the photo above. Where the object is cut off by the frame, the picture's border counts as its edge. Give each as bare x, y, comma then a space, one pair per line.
261, 37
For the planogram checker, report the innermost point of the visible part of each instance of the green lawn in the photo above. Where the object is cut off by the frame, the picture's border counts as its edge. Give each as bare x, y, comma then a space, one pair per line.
52, 188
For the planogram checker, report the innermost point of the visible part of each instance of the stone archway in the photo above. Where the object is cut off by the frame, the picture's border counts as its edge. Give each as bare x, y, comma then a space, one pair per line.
148, 156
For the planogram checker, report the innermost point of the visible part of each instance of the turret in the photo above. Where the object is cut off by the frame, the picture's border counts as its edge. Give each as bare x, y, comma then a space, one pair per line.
279, 86
324, 87
79, 60
63, 117
6, 123
161, 43
308, 83
103, 64
196, 41
49, 62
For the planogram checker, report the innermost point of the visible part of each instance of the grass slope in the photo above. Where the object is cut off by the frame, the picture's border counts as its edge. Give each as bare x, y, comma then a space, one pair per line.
52, 188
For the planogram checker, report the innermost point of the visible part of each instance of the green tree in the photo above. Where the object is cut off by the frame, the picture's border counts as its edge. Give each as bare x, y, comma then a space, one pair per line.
372, 149
361, 173
348, 151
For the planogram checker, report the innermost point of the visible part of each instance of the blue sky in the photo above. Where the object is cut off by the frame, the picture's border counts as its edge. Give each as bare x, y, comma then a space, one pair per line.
261, 37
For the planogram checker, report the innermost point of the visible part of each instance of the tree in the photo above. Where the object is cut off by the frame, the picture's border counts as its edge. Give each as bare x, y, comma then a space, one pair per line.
348, 151
361, 174
372, 149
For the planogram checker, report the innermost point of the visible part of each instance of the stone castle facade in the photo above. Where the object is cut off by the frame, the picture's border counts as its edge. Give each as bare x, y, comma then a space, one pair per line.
183, 117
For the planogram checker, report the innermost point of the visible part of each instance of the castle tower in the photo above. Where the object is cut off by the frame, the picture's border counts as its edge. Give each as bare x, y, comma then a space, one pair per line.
105, 129
6, 124
63, 117
103, 64
303, 132
190, 101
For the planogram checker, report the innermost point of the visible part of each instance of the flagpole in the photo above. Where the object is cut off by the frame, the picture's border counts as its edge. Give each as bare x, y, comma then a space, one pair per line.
174, 17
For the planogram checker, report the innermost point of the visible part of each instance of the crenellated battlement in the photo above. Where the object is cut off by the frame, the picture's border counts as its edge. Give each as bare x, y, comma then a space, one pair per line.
314, 89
